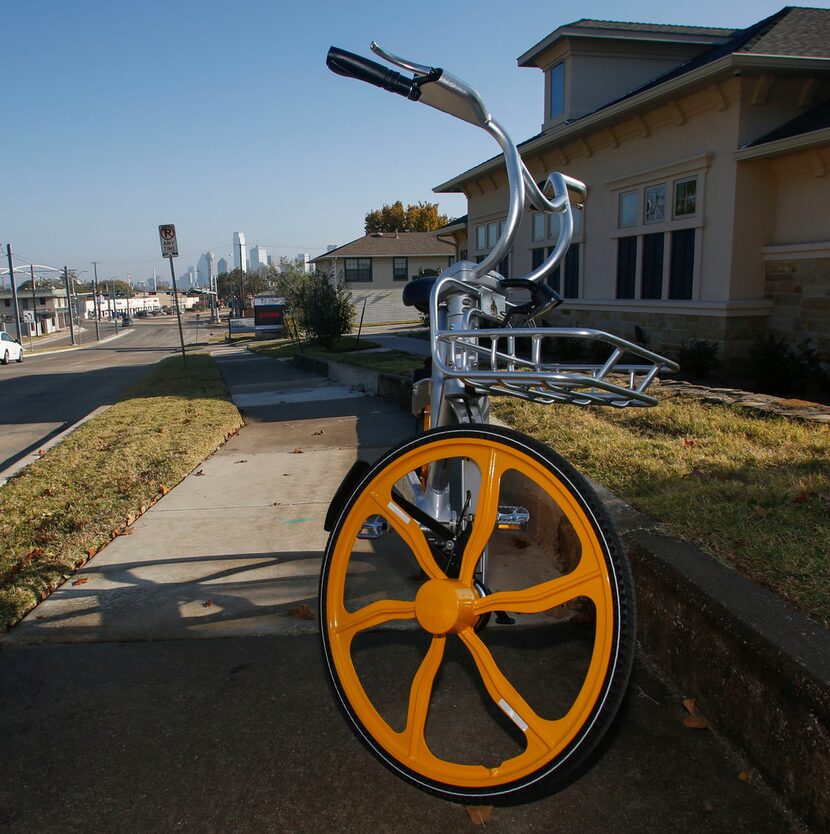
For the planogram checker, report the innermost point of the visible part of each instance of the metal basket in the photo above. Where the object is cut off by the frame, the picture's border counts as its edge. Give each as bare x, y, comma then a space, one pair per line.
499, 370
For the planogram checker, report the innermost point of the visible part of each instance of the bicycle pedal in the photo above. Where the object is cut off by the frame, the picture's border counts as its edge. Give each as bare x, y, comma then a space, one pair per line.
373, 528
512, 518
503, 618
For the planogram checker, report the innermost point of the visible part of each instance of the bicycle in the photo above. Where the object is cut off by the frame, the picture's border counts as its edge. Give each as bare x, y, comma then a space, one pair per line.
471, 560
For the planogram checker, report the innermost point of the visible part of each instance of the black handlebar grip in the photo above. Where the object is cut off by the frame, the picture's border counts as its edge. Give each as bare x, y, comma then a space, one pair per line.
355, 66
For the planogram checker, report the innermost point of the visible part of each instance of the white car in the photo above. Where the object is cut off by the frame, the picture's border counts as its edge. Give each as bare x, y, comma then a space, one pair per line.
9, 349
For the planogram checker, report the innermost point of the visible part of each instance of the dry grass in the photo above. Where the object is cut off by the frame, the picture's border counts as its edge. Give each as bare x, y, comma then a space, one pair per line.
752, 490
60, 510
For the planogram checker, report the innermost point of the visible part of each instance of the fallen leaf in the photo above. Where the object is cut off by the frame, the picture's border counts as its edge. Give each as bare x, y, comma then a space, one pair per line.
690, 705
130, 518
81, 580
242, 461
802, 497
296, 451
318, 433
200, 472
207, 603
695, 722
479, 814
90, 552
688, 443
127, 531
40, 616
743, 776
303, 612
164, 489
276, 504
40, 453
519, 543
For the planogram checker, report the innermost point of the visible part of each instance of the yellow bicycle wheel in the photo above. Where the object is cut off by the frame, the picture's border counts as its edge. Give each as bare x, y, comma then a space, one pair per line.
505, 526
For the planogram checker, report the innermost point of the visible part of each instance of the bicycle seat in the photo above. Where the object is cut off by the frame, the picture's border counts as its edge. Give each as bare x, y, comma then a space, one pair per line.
416, 293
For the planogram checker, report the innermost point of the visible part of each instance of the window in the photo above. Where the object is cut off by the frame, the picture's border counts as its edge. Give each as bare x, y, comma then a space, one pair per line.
537, 256
463, 255
492, 234
685, 197
400, 269
652, 269
557, 90
538, 229
655, 203
626, 266
571, 289
682, 264
481, 238
41, 301
504, 267
358, 269
629, 213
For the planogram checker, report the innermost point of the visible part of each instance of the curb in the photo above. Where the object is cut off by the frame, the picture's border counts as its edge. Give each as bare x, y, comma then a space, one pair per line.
69, 349
759, 669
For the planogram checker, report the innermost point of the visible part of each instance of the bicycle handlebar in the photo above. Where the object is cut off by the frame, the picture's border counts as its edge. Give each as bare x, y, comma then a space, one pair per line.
440, 90
356, 66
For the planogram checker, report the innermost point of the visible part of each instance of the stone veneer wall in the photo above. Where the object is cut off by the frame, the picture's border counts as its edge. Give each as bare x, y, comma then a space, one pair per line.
667, 332
800, 289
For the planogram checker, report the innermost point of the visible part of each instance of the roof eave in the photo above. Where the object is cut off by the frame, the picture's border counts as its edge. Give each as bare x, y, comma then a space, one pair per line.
729, 63
786, 145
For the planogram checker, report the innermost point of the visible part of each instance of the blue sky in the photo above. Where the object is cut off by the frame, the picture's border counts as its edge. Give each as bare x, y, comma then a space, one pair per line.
221, 116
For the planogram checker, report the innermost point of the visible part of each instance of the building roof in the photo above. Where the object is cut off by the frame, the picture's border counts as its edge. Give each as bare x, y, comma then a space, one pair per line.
818, 118
453, 226
586, 27
792, 31
390, 245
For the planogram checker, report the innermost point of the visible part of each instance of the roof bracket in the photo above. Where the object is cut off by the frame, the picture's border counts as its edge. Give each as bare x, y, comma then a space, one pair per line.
807, 96
760, 95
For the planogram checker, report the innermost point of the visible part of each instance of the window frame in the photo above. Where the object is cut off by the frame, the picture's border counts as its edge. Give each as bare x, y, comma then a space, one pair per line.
395, 270
360, 269
556, 82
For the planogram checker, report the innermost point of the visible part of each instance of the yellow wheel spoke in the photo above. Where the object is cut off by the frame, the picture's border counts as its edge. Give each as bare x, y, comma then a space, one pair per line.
376, 613
487, 508
539, 732
546, 595
409, 530
420, 694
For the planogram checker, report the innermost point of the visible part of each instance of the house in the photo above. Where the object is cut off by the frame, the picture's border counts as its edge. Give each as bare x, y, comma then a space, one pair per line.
376, 266
707, 154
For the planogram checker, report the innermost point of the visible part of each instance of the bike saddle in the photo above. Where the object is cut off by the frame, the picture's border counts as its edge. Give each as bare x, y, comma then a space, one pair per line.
416, 293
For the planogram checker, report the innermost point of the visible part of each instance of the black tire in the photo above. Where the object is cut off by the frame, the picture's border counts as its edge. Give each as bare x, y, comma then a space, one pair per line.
19, 357
614, 632
5, 359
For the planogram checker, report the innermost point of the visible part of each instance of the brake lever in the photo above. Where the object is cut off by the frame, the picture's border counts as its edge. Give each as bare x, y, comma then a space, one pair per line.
403, 63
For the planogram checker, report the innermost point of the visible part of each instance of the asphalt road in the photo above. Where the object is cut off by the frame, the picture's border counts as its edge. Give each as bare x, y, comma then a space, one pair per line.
48, 393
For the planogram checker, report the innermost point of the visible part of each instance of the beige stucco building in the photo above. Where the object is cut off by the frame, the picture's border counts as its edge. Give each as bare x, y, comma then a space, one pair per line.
376, 267
707, 154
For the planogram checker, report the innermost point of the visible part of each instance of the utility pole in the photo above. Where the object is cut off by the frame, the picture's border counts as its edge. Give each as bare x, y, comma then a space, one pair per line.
95, 301
214, 298
14, 292
33, 325
69, 305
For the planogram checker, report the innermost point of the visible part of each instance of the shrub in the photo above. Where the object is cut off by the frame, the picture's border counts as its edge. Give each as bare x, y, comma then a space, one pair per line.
324, 309
782, 369
698, 358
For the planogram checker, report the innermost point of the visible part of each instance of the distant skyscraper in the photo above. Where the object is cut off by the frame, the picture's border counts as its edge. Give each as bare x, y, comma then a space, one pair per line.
221, 266
304, 258
240, 259
203, 270
331, 247
259, 258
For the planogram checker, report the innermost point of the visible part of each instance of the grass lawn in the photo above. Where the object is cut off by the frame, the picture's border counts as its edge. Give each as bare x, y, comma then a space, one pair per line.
60, 510
752, 490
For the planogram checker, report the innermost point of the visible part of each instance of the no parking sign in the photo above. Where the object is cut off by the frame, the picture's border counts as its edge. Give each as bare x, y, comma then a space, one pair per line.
169, 246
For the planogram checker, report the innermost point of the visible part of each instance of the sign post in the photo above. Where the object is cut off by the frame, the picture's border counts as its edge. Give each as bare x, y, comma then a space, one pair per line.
170, 250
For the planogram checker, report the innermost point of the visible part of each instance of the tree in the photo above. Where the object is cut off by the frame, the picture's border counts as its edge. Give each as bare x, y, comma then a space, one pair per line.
321, 306
230, 284
416, 217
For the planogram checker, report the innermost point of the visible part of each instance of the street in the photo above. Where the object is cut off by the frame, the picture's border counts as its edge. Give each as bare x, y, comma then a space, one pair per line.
48, 393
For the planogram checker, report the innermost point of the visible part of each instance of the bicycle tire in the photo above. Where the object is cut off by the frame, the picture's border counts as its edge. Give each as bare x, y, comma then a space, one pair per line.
555, 749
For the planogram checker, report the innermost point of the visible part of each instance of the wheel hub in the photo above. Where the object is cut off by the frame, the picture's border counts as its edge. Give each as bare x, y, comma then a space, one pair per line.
443, 606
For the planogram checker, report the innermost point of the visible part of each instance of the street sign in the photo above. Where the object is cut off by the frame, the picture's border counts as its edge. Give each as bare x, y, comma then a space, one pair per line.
169, 246
28, 317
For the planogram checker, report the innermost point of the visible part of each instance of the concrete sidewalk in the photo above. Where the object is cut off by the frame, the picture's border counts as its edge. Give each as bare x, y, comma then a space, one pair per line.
115, 719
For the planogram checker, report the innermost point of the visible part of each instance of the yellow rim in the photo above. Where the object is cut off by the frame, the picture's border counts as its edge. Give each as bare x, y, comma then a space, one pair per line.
455, 608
